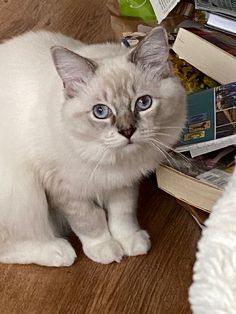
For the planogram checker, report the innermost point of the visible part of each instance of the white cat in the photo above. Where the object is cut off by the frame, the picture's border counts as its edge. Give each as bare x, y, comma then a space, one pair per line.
77, 132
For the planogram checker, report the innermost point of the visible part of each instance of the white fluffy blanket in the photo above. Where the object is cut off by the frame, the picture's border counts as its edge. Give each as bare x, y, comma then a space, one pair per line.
214, 282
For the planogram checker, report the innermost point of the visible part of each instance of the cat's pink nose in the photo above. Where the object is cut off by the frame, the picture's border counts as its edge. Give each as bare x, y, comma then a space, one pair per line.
127, 132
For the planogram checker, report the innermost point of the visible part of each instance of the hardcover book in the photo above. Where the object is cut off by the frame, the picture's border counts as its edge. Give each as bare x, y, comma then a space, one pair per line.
221, 22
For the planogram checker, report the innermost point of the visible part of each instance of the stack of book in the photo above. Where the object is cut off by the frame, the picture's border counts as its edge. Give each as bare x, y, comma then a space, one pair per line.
203, 160
210, 51
203, 40
218, 14
201, 164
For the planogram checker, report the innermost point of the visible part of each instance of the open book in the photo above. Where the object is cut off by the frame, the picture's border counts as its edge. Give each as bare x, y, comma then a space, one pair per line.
200, 181
190, 190
162, 8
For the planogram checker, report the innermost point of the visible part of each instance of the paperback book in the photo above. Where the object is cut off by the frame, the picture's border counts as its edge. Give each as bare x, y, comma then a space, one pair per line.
210, 51
199, 181
221, 22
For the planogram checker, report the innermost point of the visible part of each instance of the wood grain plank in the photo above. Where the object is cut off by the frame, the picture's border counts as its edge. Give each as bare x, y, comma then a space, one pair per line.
77, 18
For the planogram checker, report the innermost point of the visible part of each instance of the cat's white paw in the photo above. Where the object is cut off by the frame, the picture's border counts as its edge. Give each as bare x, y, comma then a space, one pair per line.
54, 253
105, 252
58, 253
137, 243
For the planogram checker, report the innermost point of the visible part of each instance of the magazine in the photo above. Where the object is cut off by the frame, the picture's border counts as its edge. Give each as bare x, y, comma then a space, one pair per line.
220, 6
211, 120
163, 8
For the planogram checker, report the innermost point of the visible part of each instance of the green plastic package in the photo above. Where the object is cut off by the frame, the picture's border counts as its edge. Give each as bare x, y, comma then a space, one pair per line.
137, 8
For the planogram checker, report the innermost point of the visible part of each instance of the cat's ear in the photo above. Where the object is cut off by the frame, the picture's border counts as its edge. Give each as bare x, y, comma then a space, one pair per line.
152, 51
73, 69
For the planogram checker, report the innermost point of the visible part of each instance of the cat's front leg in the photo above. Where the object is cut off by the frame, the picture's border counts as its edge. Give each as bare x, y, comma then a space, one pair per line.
89, 222
123, 223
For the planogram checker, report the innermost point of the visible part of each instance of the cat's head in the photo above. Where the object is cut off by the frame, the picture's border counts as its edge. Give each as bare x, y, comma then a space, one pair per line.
128, 106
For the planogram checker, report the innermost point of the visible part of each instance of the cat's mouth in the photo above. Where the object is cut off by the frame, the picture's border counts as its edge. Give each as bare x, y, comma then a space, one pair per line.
129, 146
125, 145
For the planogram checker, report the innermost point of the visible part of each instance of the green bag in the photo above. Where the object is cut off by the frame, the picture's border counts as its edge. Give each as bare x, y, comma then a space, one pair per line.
137, 8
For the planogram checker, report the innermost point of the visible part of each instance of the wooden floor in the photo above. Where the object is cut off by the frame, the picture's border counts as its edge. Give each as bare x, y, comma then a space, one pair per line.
156, 283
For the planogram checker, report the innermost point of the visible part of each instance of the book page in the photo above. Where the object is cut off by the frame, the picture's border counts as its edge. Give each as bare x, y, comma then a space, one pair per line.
216, 176
207, 147
162, 8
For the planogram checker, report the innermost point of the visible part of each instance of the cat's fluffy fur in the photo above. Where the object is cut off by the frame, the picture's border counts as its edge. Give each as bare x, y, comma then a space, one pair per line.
59, 163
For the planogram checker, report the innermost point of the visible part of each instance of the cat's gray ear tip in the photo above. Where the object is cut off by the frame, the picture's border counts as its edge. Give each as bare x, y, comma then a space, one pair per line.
158, 30
160, 34
58, 50
55, 49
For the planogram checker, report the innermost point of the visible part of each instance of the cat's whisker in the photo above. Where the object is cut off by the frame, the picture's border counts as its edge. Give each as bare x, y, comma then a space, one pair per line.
164, 145
182, 156
169, 135
170, 148
116, 140
111, 141
114, 145
165, 154
149, 130
159, 150
97, 166
153, 136
164, 134
171, 127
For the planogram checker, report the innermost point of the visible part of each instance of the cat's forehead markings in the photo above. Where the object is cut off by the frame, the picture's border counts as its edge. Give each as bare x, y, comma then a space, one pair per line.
132, 86
105, 95
118, 90
121, 93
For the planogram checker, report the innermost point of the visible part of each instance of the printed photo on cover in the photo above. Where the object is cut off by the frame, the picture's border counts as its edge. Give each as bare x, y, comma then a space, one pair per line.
225, 110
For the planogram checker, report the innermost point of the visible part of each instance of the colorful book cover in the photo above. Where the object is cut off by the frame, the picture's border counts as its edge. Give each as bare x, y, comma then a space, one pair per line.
211, 115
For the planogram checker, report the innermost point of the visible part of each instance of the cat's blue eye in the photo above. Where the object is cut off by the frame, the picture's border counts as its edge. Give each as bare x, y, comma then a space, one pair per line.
101, 111
143, 103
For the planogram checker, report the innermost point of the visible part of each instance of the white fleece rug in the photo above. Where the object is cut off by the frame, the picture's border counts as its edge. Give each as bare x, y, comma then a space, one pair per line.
214, 282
